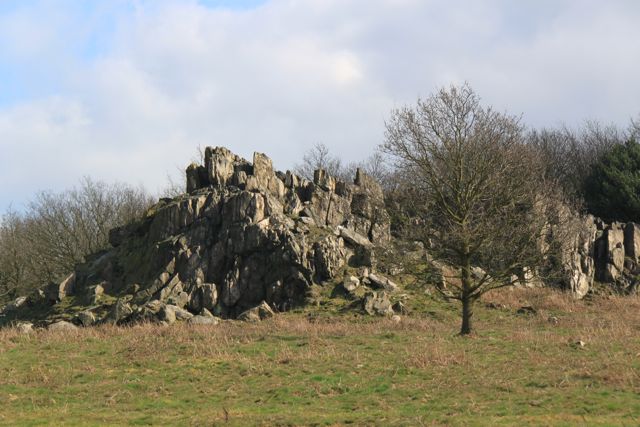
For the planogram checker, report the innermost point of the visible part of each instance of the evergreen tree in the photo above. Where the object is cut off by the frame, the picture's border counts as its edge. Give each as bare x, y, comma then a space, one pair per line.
612, 190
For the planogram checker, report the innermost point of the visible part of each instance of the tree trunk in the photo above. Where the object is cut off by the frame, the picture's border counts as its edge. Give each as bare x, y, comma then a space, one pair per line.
466, 316
466, 297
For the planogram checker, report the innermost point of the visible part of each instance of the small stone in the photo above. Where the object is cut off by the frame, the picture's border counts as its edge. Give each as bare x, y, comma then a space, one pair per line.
553, 320
350, 283
396, 319
203, 320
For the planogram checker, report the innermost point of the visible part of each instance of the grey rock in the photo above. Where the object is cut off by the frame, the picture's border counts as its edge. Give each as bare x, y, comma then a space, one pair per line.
56, 292
377, 303
167, 314
354, 238
256, 314
203, 320
382, 282
350, 283
180, 313
62, 325
119, 312
86, 318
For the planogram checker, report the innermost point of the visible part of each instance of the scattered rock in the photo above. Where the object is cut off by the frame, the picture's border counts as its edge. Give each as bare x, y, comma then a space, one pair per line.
400, 308
396, 319
180, 313
62, 325
119, 312
553, 320
256, 314
203, 320
377, 303
167, 314
382, 282
56, 292
350, 283
86, 318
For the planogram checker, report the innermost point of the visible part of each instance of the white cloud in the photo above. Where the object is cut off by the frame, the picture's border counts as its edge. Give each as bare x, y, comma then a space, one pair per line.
172, 75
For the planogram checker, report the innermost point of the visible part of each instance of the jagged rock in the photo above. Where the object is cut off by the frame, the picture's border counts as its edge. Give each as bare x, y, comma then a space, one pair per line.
256, 314
329, 257
56, 292
62, 325
350, 283
578, 257
167, 314
382, 282
609, 253
219, 164
242, 234
86, 318
94, 293
354, 238
632, 241
377, 303
206, 313
119, 312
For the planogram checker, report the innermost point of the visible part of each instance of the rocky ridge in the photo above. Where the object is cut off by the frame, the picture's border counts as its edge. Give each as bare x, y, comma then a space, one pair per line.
244, 241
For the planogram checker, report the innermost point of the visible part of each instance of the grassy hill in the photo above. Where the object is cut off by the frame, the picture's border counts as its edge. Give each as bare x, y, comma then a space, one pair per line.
325, 366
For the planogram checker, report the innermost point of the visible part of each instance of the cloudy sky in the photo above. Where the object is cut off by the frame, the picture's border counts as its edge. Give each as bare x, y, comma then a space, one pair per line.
126, 90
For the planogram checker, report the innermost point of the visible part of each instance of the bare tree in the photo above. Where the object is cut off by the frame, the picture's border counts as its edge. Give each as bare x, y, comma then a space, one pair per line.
58, 230
319, 157
569, 155
477, 187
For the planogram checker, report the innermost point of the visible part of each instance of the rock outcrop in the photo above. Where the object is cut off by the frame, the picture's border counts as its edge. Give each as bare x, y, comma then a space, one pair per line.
605, 253
243, 236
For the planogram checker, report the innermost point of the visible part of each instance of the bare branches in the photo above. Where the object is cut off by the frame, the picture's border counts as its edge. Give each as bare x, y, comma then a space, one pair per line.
480, 187
59, 229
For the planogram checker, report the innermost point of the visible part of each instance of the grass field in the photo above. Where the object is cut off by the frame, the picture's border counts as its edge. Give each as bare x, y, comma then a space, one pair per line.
298, 369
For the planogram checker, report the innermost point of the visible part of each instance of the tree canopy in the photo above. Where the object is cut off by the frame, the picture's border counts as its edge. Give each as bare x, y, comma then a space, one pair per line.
612, 189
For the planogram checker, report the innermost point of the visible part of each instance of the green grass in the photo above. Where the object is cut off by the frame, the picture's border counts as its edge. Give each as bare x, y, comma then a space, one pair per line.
338, 370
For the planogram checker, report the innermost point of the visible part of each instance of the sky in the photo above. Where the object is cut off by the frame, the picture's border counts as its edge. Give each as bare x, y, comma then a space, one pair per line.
127, 90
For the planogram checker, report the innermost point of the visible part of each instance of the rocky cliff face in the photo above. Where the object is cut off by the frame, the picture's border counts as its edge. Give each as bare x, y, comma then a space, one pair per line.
606, 253
243, 234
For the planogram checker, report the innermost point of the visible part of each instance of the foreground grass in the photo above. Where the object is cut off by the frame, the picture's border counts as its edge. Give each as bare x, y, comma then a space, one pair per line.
297, 369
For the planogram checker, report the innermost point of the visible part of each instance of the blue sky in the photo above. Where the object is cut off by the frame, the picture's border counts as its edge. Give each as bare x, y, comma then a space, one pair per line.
128, 89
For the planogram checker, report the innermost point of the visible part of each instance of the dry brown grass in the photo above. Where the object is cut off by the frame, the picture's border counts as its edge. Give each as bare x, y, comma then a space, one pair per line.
515, 368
